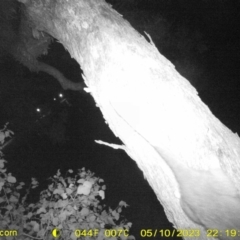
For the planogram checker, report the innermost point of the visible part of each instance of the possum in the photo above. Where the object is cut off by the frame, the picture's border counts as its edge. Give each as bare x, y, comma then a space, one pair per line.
208, 197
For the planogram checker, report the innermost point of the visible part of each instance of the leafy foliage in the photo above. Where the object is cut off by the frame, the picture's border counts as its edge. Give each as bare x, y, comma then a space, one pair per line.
71, 204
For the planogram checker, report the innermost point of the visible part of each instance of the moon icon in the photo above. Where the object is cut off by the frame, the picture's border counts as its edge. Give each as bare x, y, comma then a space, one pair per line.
56, 232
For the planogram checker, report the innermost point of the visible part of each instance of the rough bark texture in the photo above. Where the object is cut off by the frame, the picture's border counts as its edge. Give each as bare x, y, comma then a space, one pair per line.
19, 39
144, 100
65, 83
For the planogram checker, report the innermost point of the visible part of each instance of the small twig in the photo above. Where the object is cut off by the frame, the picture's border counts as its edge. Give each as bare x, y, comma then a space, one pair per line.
150, 39
112, 145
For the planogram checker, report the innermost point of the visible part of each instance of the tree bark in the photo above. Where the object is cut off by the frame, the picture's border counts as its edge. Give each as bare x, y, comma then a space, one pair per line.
182, 149
65, 83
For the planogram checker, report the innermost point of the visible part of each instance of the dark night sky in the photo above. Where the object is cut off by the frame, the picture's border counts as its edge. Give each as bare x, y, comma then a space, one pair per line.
202, 41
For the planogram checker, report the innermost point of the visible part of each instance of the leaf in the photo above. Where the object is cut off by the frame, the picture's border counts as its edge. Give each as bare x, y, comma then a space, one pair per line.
92, 225
62, 203
69, 191
64, 195
8, 133
1, 185
58, 172
8, 190
87, 184
100, 180
115, 214
4, 223
102, 225
60, 226
122, 203
13, 199
2, 161
34, 181
41, 233
101, 235
84, 212
119, 210
35, 226
58, 191
104, 213
19, 187
31, 205
129, 224
101, 194
41, 210
82, 174
131, 238
72, 219
51, 204
63, 182
110, 220
81, 180
123, 237
50, 187
63, 215
55, 221
11, 179
84, 189
2, 137
73, 236
9, 207
75, 207
92, 218
70, 171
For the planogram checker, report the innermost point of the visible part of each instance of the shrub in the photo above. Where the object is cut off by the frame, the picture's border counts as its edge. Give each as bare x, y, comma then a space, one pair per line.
70, 208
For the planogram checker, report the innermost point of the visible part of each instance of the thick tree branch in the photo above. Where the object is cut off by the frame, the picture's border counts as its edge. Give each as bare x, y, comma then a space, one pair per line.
65, 83
153, 110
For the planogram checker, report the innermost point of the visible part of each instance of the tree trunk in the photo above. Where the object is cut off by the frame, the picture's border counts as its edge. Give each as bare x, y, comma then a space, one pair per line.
187, 155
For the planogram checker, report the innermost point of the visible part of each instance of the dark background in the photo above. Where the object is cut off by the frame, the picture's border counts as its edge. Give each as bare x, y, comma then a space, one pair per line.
201, 38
